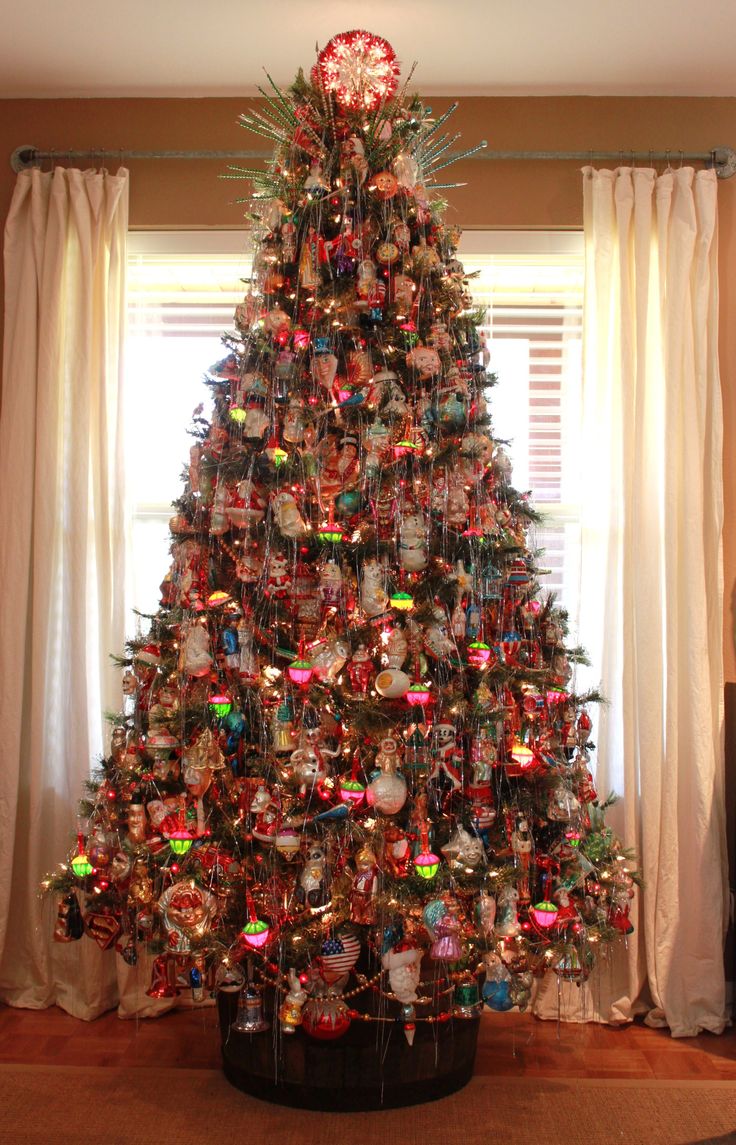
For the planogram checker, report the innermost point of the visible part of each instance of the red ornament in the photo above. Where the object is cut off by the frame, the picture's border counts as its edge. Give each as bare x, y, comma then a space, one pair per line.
359, 69
160, 984
326, 1018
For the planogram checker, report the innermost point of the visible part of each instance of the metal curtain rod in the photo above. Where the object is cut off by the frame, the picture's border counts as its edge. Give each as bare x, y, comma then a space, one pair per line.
721, 159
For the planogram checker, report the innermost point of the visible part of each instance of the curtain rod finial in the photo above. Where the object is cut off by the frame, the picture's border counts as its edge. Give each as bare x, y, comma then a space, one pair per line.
724, 162
23, 158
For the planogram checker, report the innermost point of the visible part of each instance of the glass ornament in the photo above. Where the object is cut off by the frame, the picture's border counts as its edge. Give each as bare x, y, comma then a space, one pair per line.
479, 653
301, 672
81, 866
427, 864
220, 705
359, 69
256, 933
418, 695
544, 914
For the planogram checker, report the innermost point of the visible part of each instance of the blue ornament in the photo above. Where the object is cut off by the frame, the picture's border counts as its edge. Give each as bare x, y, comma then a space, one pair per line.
433, 913
348, 502
235, 722
355, 399
472, 622
497, 994
332, 813
230, 644
392, 934
453, 414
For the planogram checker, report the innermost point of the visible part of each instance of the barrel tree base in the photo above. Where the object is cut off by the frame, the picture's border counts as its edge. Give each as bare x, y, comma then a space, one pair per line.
371, 1067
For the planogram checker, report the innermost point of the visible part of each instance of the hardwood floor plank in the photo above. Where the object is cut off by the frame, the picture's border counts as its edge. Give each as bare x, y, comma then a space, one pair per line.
509, 1045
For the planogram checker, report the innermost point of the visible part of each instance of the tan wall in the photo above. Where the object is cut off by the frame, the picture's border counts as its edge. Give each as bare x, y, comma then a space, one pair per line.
509, 194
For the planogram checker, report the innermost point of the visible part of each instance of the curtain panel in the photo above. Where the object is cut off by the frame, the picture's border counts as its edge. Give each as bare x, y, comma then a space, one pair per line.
652, 613
62, 552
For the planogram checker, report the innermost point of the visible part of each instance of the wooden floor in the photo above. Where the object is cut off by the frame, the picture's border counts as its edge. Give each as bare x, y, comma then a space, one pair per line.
509, 1044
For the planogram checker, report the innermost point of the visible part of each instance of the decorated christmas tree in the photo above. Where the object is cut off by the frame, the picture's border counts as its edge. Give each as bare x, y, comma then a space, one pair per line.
350, 783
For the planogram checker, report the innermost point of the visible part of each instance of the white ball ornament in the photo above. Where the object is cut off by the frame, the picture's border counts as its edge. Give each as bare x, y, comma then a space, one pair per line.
392, 683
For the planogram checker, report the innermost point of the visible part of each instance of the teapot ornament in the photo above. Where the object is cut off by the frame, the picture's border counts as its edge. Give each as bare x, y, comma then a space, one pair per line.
328, 654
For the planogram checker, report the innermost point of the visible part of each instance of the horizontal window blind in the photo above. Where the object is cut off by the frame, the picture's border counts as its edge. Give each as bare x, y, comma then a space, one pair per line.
185, 286
533, 299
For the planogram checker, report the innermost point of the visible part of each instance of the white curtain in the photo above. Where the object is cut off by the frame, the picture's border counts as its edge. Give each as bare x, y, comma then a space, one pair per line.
652, 616
61, 555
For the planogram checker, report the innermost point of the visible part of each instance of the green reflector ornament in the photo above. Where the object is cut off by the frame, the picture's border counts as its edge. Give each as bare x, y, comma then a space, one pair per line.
256, 933
220, 705
427, 864
82, 866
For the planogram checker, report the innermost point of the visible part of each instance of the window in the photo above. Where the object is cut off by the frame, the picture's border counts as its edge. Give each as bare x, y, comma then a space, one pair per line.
182, 291
531, 284
183, 288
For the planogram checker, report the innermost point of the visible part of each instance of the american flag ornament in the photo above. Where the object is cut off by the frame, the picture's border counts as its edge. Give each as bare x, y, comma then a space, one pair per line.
339, 955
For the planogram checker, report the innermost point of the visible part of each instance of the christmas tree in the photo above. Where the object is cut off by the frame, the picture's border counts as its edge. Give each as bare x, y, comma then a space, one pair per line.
351, 775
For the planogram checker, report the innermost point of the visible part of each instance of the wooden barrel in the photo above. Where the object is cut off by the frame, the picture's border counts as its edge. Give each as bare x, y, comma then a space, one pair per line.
372, 1066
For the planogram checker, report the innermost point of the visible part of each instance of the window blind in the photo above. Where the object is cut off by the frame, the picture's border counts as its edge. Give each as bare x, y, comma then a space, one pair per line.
185, 286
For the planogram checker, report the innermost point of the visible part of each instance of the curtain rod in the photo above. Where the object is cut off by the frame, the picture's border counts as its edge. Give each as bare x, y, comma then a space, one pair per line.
721, 159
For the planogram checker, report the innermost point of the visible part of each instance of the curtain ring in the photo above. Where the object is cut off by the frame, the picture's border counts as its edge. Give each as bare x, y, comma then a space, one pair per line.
682, 159
668, 156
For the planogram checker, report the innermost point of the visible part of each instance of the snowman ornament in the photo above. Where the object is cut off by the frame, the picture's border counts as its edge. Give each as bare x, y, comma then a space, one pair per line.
310, 760
387, 792
412, 542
